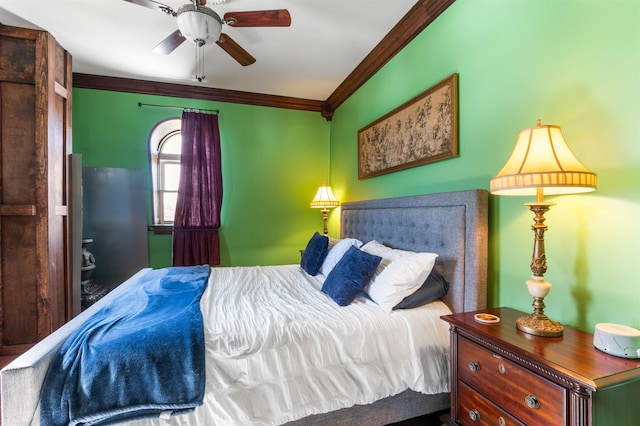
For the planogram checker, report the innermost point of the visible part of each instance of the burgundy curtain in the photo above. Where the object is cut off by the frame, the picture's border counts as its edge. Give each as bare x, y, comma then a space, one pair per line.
197, 220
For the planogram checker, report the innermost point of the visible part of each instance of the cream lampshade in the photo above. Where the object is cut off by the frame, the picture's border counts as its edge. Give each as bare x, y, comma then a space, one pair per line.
324, 200
541, 163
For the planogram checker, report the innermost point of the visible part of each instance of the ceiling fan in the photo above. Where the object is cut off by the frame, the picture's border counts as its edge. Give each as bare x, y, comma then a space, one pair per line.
201, 25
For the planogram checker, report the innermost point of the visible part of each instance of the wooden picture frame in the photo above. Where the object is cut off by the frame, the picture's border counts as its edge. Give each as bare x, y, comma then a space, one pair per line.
420, 131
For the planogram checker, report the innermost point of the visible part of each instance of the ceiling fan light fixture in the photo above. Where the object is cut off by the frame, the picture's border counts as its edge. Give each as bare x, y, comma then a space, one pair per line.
199, 24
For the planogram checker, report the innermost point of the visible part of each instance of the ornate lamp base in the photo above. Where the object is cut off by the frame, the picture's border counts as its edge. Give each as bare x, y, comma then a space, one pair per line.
325, 216
539, 325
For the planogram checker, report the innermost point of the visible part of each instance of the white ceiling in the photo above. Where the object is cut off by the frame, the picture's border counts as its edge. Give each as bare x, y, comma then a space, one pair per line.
327, 39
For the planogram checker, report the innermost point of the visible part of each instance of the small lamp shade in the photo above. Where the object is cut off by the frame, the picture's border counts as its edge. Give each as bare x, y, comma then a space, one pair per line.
542, 159
324, 198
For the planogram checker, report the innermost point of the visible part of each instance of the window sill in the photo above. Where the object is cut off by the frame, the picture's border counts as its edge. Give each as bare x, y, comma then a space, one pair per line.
161, 229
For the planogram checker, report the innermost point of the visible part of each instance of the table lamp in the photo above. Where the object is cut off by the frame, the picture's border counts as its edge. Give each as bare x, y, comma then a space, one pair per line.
324, 200
541, 163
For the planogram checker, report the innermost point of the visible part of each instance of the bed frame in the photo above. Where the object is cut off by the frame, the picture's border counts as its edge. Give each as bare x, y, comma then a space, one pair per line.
452, 224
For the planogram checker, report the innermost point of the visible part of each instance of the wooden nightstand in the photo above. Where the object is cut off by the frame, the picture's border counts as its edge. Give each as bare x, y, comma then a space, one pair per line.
502, 376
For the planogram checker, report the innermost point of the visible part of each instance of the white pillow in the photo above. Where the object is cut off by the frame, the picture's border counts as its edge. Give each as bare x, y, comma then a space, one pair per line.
400, 274
336, 252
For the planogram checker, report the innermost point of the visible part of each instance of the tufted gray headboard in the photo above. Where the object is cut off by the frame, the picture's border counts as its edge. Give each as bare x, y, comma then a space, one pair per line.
452, 224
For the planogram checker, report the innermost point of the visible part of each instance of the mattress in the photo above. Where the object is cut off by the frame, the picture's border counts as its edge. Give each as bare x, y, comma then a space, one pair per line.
278, 349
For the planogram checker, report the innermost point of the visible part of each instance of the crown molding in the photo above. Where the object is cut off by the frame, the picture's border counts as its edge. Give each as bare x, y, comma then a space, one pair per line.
90, 81
423, 13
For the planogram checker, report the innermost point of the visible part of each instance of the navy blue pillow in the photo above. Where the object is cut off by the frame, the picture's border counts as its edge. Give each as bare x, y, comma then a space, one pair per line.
434, 287
314, 254
350, 275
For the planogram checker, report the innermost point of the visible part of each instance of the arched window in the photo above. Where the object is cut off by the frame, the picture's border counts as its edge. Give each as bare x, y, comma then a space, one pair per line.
165, 145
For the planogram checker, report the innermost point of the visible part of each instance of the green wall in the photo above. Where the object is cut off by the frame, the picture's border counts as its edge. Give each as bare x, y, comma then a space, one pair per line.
273, 162
574, 63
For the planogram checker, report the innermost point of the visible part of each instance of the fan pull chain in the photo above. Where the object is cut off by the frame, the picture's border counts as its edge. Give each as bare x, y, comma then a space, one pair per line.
200, 62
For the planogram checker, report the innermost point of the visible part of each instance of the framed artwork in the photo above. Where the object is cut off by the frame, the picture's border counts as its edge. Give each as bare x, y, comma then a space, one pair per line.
420, 131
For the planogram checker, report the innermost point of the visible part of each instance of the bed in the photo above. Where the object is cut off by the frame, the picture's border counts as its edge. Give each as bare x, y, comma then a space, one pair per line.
453, 225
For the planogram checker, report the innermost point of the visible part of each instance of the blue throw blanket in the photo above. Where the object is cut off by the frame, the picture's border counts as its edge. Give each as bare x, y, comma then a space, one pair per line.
140, 355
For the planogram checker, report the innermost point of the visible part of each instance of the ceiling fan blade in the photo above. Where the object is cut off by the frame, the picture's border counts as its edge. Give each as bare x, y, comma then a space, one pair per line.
151, 4
259, 18
169, 44
232, 48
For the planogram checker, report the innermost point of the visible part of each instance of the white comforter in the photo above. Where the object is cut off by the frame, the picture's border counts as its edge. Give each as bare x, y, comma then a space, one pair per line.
278, 349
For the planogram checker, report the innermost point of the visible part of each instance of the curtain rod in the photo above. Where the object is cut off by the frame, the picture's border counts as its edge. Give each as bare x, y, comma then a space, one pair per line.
212, 111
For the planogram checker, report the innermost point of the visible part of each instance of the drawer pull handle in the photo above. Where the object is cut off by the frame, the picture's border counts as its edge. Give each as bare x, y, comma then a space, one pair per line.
474, 415
501, 368
532, 401
474, 366
501, 421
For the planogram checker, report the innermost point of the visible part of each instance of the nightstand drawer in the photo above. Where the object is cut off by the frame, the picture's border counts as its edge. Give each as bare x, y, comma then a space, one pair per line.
474, 409
524, 394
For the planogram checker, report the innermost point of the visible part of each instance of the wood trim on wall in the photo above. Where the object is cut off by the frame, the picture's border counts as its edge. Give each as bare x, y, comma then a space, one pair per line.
89, 81
417, 19
423, 13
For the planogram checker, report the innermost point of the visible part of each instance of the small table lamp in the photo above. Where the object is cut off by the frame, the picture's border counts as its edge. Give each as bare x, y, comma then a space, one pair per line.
324, 200
541, 163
